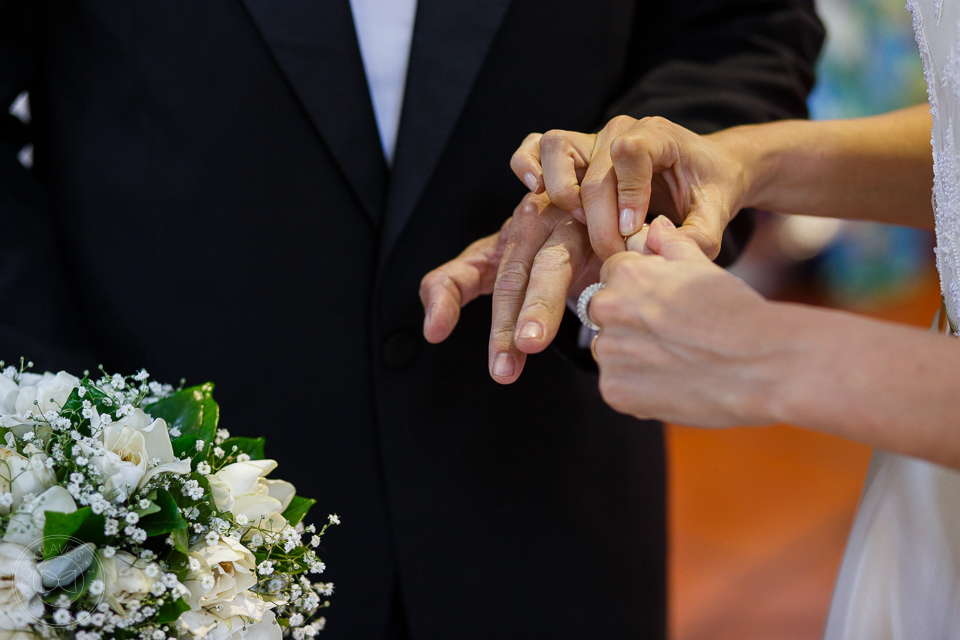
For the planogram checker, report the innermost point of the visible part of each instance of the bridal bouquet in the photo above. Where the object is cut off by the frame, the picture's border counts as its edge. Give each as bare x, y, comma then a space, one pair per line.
126, 512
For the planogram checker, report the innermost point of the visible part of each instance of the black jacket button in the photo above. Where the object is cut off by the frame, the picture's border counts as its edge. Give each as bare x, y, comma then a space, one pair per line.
400, 349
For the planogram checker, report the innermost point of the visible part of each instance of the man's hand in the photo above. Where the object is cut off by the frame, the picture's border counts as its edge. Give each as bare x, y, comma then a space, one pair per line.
539, 258
632, 170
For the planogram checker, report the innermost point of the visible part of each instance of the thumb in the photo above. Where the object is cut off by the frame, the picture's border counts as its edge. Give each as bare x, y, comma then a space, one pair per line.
664, 239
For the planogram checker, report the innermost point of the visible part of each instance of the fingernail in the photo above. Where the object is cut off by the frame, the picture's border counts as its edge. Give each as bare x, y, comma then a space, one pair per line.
579, 214
628, 222
503, 365
532, 181
667, 222
531, 330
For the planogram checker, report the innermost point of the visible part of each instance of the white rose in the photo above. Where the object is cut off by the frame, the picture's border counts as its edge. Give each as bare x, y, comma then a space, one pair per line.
49, 391
26, 523
20, 634
131, 446
227, 570
19, 585
22, 476
241, 488
124, 579
9, 390
204, 624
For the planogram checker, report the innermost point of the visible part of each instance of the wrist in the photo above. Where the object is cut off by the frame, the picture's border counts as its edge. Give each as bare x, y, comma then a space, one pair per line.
797, 357
762, 154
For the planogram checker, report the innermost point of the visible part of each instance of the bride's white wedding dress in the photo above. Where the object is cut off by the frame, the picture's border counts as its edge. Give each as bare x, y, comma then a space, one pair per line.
900, 577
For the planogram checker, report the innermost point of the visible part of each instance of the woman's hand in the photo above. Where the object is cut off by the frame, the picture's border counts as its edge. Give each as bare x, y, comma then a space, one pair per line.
682, 340
635, 169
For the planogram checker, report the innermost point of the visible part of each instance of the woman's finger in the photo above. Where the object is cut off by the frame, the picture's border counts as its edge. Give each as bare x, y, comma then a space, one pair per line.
526, 163
564, 157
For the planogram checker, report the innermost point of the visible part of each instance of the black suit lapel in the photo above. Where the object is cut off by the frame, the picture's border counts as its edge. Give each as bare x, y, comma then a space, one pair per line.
450, 41
315, 44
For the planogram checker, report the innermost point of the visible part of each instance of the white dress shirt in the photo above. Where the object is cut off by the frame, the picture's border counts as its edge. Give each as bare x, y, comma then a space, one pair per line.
385, 31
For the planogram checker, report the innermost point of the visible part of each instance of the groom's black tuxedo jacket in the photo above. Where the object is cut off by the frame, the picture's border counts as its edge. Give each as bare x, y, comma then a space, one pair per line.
209, 200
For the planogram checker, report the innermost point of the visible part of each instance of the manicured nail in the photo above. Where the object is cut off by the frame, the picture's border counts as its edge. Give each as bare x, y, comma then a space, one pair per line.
579, 214
628, 222
667, 222
503, 365
532, 181
531, 330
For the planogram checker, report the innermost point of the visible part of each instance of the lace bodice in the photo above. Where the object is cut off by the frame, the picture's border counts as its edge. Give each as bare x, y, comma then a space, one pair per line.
936, 25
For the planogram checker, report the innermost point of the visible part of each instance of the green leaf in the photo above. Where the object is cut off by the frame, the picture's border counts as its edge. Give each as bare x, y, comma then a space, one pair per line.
167, 519
253, 447
185, 445
193, 411
298, 509
74, 403
181, 541
153, 508
63, 530
170, 611
179, 563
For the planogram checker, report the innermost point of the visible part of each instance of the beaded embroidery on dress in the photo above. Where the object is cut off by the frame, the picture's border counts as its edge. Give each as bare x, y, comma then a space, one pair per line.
935, 24
900, 577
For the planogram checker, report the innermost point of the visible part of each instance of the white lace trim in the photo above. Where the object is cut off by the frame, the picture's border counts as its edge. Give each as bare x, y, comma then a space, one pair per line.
942, 63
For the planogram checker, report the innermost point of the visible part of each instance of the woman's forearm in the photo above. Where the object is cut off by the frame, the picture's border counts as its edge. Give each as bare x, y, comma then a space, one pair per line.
883, 384
878, 168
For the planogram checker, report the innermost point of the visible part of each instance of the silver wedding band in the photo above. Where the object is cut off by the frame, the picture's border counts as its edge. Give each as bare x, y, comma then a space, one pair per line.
583, 305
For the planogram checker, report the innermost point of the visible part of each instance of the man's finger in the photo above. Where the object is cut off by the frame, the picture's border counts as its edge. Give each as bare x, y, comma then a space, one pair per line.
532, 225
449, 287
564, 156
526, 163
638, 241
559, 263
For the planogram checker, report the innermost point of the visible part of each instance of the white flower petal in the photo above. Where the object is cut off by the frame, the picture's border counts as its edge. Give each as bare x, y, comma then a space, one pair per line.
282, 491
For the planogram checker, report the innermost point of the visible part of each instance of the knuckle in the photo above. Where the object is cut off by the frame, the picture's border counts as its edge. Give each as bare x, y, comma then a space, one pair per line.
566, 197
532, 139
552, 137
591, 187
430, 280
655, 122
552, 260
527, 219
614, 391
512, 279
569, 238
627, 146
539, 306
621, 122
501, 334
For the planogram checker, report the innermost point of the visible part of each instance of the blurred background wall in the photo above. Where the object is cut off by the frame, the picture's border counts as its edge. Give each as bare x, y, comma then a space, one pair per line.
759, 517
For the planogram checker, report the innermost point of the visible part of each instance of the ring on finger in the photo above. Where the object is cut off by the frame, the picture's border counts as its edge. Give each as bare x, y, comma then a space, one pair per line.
583, 305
